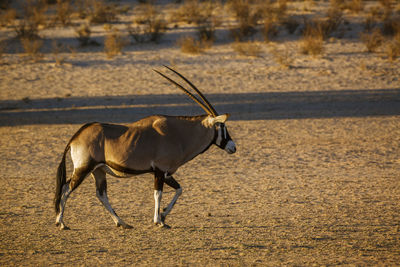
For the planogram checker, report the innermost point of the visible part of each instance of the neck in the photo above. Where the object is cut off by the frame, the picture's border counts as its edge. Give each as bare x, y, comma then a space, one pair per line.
201, 134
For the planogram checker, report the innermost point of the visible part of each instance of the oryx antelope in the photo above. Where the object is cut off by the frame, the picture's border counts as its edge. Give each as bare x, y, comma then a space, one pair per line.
156, 144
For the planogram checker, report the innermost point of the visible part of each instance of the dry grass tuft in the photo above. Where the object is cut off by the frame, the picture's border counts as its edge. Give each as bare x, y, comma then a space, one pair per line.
3, 46
282, 57
272, 15
337, 4
64, 11
113, 43
391, 26
189, 12
319, 29
35, 11
149, 26
269, 30
355, 6
83, 35
206, 20
191, 45
34, 16
387, 6
57, 48
331, 23
7, 16
291, 24
313, 40
393, 48
249, 49
247, 15
32, 48
26, 29
372, 40
98, 11
202, 14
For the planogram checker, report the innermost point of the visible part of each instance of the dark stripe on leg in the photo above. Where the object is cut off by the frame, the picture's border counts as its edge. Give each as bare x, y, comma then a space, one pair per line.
158, 180
172, 182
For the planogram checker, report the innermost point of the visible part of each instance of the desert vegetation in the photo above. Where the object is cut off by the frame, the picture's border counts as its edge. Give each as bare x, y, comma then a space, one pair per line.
249, 48
114, 42
149, 24
192, 45
244, 20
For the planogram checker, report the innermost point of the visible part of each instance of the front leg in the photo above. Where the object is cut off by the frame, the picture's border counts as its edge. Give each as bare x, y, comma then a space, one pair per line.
169, 180
158, 188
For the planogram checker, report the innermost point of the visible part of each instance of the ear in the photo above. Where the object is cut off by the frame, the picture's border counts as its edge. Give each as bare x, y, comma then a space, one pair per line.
220, 119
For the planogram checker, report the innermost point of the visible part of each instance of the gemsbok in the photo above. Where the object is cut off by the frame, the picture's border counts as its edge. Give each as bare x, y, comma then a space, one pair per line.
156, 144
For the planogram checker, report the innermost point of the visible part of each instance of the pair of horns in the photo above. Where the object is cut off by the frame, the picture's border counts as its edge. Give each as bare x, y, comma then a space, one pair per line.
204, 105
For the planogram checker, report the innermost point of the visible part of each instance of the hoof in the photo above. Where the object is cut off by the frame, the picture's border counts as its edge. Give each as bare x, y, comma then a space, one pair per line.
64, 227
124, 226
162, 225
165, 226
127, 226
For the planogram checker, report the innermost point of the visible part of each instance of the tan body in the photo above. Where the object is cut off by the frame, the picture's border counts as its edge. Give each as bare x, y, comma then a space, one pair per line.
153, 142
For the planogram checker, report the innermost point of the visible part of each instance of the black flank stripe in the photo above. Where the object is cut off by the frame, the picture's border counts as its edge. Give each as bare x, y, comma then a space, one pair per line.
123, 169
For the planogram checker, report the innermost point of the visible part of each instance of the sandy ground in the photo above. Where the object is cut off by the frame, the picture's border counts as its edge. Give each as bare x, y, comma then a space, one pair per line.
315, 179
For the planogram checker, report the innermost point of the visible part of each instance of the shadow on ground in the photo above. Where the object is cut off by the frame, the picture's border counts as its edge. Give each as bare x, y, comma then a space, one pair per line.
246, 106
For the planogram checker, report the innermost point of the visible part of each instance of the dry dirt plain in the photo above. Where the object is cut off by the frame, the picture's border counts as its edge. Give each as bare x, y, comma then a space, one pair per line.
315, 179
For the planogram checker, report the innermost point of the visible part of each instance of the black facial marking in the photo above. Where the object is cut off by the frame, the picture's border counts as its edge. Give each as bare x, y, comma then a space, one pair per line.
224, 135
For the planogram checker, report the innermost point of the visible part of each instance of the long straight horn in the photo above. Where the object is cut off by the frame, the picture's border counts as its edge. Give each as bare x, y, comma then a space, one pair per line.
194, 98
211, 108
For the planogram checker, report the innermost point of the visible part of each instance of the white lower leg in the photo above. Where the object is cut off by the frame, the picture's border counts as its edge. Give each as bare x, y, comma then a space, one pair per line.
157, 202
65, 193
168, 209
104, 200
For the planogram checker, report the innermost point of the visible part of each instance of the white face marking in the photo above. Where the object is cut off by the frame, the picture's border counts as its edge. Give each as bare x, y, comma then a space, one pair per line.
221, 136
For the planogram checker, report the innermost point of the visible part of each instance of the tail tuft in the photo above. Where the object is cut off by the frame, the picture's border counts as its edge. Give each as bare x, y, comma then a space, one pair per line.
60, 181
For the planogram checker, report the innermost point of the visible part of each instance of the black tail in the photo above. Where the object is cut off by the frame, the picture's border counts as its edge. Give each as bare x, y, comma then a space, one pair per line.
60, 181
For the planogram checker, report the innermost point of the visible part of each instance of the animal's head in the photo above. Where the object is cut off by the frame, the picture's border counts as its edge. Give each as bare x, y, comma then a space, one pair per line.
222, 138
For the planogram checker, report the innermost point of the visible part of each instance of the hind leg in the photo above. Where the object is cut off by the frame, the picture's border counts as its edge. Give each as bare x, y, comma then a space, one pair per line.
101, 193
65, 194
78, 176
